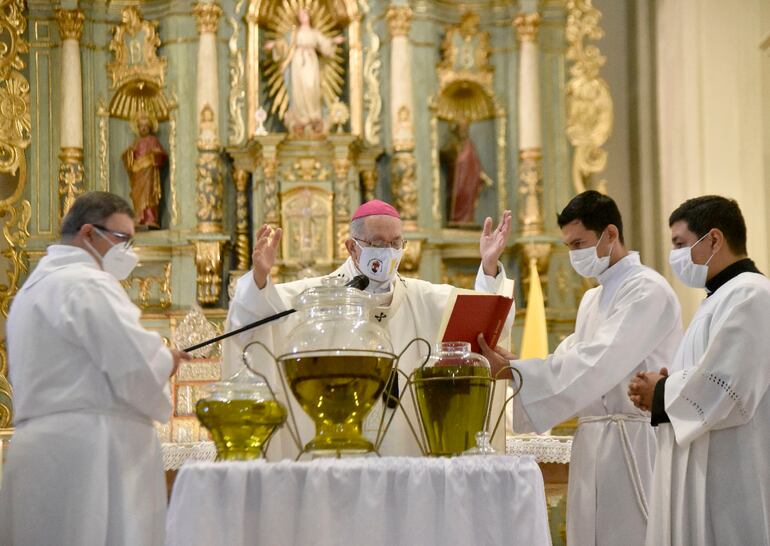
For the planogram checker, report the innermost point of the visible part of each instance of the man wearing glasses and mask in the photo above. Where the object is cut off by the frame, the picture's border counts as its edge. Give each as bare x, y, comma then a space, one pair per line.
406, 307
84, 466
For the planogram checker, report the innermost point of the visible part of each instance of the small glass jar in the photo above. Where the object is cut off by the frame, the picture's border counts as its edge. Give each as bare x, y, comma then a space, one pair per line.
241, 413
336, 364
454, 392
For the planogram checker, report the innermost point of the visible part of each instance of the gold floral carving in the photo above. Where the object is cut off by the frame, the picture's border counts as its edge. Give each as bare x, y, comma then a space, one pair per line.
70, 23
237, 98
589, 103
372, 68
435, 164
136, 72
502, 164
15, 137
145, 286
530, 192
242, 247
526, 25
272, 211
172, 158
104, 144
399, 20
71, 174
207, 16
208, 262
410, 263
369, 179
306, 169
210, 191
404, 176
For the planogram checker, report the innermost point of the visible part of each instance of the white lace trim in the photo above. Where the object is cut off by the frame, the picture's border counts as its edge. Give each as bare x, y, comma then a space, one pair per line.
176, 454
545, 449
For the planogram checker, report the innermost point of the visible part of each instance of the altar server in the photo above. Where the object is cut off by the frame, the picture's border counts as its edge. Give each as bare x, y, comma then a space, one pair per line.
630, 322
406, 308
712, 405
84, 465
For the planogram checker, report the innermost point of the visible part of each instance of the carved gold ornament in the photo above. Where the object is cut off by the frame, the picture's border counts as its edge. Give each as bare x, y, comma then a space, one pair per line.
70, 23
526, 25
207, 16
193, 329
237, 98
307, 220
136, 72
372, 68
208, 262
465, 74
242, 247
589, 104
404, 176
144, 285
399, 20
15, 136
280, 26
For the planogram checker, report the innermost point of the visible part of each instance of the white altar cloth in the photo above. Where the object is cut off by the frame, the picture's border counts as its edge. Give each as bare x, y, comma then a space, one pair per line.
390, 501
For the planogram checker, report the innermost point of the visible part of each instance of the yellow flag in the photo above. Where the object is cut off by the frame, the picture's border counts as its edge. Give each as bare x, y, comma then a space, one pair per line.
534, 342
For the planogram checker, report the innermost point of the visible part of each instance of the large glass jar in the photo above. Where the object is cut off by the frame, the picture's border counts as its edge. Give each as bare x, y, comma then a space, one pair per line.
336, 364
241, 413
454, 392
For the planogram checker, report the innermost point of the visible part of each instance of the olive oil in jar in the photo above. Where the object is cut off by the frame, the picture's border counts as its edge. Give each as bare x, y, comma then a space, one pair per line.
240, 428
337, 391
453, 403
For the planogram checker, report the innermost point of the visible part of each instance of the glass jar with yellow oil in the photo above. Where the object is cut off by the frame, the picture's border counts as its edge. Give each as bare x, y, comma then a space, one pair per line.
336, 364
453, 392
241, 413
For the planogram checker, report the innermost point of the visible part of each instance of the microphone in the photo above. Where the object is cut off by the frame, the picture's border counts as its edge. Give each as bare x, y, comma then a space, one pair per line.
359, 281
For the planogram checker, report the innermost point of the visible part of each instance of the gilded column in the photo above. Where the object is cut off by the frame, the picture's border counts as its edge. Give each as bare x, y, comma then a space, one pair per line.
209, 175
71, 172
404, 166
530, 140
242, 248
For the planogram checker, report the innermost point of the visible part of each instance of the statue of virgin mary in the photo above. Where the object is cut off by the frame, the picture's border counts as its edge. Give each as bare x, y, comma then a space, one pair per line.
300, 64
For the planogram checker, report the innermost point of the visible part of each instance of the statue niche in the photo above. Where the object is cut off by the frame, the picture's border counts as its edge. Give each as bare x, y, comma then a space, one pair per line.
464, 97
304, 66
137, 76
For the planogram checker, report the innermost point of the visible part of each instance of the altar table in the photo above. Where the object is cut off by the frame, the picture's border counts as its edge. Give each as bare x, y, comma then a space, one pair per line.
389, 501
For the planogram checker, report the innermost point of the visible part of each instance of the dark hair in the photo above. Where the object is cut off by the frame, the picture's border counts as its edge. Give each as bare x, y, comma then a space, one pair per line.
713, 211
93, 207
595, 211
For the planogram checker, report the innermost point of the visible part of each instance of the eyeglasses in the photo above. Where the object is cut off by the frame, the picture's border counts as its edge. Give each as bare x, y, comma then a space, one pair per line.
397, 244
124, 238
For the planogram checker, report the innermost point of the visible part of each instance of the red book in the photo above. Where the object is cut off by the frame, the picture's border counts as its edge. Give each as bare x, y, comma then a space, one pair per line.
471, 313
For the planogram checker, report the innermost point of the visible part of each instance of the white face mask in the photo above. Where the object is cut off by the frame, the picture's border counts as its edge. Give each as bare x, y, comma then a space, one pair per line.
586, 261
379, 264
691, 274
119, 261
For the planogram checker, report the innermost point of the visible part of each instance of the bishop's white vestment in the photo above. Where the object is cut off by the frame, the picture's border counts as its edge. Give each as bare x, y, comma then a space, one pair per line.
631, 322
84, 465
411, 308
712, 475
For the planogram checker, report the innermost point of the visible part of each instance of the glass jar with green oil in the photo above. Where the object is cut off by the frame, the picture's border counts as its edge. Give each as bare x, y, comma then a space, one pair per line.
453, 392
336, 363
241, 413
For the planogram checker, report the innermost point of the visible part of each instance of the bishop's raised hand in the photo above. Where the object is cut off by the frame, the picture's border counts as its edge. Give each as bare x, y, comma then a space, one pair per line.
492, 243
264, 254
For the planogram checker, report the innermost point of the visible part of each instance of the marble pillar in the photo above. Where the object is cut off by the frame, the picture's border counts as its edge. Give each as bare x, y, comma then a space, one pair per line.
71, 172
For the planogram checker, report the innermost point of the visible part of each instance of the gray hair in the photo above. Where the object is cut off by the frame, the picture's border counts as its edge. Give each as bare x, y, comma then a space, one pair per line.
93, 207
358, 229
